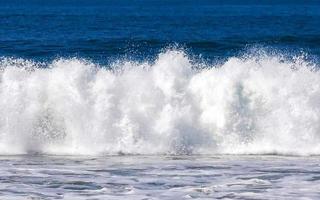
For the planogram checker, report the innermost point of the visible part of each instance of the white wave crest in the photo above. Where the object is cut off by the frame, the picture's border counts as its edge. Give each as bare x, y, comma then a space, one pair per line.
257, 105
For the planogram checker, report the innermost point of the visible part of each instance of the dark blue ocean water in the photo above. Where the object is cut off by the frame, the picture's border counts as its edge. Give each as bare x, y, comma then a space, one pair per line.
107, 29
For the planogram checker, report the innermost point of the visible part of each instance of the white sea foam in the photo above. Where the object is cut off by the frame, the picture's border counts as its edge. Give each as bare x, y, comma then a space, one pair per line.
256, 105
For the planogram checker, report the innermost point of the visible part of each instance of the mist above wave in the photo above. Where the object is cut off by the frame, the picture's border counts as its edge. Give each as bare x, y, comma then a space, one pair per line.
255, 105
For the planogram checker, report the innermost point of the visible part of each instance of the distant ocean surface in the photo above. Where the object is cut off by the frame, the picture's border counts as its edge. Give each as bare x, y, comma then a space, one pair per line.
159, 99
109, 29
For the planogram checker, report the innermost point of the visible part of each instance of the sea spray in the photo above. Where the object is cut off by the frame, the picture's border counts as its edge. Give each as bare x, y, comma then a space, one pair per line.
255, 105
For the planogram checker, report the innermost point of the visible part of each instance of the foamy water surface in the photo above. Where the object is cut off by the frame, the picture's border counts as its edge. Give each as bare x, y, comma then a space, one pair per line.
159, 177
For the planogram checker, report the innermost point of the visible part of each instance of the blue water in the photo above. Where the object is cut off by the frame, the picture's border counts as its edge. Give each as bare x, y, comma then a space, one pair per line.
104, 30
159, 99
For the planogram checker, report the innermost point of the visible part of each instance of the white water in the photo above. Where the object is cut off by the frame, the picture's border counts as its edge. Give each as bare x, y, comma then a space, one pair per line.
160, 177
257, 105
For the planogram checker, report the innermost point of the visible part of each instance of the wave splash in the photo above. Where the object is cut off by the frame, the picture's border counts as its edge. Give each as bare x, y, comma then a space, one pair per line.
256, 105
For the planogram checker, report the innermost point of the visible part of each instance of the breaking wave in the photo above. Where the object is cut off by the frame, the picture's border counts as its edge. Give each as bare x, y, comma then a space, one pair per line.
255, 105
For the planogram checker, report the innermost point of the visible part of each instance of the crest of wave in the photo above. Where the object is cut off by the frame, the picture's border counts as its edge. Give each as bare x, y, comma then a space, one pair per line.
253, 105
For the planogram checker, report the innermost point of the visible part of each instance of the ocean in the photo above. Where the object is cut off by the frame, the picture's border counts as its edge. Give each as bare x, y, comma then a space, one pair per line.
159, 99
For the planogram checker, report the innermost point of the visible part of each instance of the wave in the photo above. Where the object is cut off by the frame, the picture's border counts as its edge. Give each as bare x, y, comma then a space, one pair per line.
254, 105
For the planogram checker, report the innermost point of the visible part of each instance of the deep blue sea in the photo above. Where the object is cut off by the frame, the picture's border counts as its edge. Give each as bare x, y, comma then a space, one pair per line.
159, 99
108, 29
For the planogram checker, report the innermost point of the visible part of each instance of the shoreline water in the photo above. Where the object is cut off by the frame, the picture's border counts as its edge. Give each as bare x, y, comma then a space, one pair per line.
137, 177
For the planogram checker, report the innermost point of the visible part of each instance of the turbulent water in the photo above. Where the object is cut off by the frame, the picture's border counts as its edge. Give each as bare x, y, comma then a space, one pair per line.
255, 105
143, 177
159, 99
